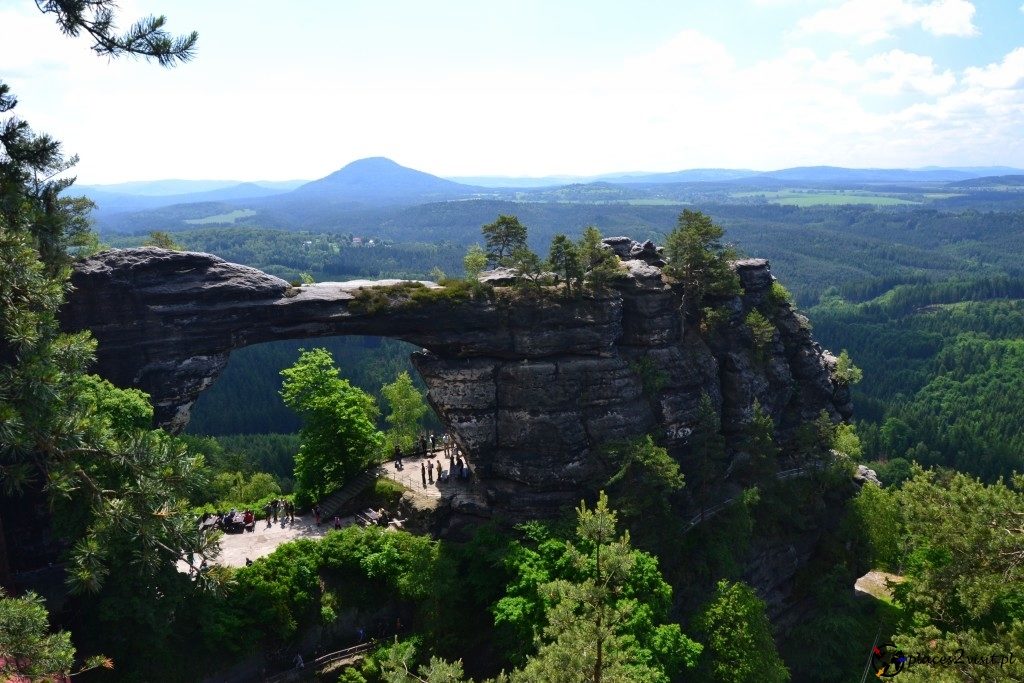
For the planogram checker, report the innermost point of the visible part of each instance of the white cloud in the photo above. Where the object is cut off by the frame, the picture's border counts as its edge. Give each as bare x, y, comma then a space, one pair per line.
893, 108
874, 20
904, 72
1006, 75
690, 102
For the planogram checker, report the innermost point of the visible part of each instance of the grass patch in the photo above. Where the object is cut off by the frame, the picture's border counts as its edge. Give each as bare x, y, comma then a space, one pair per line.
802, 198
405, 294
837, 199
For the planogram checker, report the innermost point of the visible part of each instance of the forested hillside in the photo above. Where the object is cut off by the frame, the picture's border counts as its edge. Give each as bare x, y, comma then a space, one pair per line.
943, 372
810, 249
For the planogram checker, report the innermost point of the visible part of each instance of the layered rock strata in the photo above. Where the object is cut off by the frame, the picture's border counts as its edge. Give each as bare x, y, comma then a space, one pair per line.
530, 385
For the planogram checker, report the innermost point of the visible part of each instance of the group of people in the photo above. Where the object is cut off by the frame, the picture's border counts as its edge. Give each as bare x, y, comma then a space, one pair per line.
228, 521
457, 469
428, 445
285, 509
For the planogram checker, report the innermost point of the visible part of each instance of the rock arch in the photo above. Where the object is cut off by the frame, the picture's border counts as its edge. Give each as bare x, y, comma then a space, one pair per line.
529, 385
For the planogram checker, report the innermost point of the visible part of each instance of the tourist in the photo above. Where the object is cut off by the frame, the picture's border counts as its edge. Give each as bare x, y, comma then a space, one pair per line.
316, 514
423, 445
337, 522
398, 457
433, 442
291, 511
430, 471
266, 509
423, 473
273, 506
440, 469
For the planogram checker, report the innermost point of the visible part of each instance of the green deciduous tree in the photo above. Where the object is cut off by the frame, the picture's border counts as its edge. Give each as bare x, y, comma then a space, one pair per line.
698, 260
235, 488
338, 434
406, 408
846, 372
503, 237
739, 648
474, 261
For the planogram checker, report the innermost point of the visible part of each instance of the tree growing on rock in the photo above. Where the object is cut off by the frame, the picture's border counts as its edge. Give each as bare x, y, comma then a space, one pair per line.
502, 238
565, 262
600, 264
699, 261
338, 434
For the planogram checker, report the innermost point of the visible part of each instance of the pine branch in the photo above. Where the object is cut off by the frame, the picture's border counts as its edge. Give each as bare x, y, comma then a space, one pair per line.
146, 37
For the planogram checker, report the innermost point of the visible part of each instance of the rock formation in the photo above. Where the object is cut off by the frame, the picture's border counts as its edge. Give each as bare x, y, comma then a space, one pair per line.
530, 385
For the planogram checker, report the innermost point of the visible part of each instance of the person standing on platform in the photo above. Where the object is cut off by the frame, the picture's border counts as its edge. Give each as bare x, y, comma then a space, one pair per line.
423, 473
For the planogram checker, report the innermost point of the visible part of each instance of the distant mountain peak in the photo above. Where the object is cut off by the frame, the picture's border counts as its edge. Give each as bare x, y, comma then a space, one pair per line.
381, 180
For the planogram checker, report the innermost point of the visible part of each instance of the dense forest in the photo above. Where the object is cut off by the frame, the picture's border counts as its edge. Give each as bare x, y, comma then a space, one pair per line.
943, 373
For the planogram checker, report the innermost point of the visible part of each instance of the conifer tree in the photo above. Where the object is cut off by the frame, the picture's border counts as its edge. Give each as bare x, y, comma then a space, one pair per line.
564, 259
503, 237
699, 261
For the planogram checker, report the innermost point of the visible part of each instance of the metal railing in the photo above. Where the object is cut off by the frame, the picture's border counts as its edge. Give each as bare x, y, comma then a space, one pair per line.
710, 512
322, 661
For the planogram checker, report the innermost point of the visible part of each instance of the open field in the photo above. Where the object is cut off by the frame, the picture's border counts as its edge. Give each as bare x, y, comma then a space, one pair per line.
804, 198
222, 218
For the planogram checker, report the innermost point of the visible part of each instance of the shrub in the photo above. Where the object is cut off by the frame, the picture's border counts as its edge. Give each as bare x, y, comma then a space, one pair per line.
846, 372
762, 329
778, 295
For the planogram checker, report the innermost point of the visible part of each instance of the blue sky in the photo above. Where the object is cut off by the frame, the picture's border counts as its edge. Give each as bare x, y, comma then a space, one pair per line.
297, 90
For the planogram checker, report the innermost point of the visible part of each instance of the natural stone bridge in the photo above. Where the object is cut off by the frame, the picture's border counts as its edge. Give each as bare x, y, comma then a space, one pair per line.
529, 385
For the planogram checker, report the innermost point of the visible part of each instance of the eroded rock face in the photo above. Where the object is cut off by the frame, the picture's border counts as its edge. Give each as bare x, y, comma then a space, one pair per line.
530, 386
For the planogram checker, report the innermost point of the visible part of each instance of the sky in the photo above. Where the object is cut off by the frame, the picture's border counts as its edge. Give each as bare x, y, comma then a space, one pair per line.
292, 90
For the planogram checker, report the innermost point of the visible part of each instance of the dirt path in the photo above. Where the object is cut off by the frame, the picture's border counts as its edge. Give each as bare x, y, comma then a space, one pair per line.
236, 548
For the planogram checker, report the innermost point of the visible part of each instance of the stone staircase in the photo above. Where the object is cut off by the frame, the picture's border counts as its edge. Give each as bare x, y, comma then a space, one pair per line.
333, 503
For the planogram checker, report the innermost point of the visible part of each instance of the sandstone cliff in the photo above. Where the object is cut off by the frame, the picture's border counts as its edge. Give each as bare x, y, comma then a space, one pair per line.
531, 386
